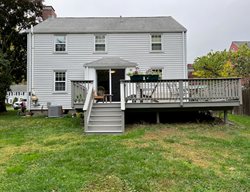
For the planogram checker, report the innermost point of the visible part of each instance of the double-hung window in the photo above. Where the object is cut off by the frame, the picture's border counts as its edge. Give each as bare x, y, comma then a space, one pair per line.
60, 43
156, 42
100, 43
60, 81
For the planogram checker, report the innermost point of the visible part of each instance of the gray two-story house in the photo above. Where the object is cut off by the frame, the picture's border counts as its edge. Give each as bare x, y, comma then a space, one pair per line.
102, 49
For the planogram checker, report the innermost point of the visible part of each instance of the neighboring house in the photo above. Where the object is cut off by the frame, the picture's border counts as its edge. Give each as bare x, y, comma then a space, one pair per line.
16, 91
102, 49
236, 44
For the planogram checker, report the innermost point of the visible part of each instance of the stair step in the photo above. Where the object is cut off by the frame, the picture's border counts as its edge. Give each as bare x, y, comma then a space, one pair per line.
106, 105
105, 122
104, 132
105, 127
104, 118
107, 113
106, 109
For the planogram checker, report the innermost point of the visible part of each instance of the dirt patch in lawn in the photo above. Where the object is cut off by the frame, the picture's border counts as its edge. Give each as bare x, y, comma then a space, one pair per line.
109, 183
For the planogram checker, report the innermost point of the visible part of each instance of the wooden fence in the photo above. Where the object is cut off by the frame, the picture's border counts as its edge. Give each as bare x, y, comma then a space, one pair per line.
244, 109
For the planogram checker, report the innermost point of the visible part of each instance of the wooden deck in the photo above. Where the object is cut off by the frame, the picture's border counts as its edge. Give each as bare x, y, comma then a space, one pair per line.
163, 95
187, 93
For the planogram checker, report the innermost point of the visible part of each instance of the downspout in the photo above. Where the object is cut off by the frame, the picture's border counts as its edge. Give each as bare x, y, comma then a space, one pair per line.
31, 58
184, 51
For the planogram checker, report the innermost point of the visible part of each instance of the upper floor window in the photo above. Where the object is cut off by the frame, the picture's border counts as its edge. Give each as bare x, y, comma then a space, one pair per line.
60, 80
60, 43
156, 44
100, 43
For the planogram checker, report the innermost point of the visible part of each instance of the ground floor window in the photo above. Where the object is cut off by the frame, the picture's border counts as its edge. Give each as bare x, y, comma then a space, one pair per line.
157, 71
60, 80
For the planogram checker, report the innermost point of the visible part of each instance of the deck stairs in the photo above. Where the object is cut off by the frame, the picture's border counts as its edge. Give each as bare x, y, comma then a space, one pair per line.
106, 118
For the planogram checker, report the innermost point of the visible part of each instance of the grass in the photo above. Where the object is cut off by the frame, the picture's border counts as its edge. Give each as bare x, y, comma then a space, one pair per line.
53, 154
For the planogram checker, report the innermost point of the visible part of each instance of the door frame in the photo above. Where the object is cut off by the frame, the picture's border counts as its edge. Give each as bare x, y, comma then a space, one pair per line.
110, 76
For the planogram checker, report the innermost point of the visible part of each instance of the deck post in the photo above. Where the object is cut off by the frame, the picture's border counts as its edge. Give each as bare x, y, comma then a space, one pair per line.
225, 116
157, 117
240, 91
72, 94
181, 92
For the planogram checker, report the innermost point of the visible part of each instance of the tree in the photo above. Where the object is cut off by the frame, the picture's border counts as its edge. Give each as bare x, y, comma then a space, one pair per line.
241, 61
214, 64
5, 80
16, 16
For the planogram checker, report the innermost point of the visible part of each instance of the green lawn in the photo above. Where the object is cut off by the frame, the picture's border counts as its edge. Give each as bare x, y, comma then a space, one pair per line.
53, 154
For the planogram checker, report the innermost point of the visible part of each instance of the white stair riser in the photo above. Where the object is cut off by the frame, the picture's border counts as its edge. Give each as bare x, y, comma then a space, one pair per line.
105, 118
105, 128
118, 122
106, 109
106, 113
107, 106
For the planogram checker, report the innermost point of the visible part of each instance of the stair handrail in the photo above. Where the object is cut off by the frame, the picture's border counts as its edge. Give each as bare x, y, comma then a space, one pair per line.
122, 93
88, 105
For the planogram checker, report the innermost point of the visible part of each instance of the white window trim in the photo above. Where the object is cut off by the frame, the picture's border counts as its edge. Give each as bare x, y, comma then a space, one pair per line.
105, 42
156, 51
66, 44
159, 68
54, 81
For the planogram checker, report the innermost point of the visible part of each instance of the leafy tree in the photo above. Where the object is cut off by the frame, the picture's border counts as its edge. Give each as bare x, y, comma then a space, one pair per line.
214, 64
5, 80
241, 61
16, 16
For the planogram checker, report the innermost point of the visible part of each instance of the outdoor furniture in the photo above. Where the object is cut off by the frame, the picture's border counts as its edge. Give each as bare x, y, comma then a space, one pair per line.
100, 95
108, 97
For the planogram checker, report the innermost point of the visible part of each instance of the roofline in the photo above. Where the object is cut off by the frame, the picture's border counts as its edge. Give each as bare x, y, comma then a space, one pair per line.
48, 6
108, 32
112, 17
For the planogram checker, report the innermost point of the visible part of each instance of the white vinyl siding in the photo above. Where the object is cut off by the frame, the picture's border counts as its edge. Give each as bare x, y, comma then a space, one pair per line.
100, 43
60, 43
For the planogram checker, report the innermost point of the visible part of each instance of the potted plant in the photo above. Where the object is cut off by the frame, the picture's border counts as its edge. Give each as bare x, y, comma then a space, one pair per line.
151, 76
136, 76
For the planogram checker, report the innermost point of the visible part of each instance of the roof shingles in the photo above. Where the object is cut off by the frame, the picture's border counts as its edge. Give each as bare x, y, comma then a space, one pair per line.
109, 25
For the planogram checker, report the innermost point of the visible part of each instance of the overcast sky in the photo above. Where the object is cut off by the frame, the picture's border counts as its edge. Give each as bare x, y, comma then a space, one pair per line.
211, 24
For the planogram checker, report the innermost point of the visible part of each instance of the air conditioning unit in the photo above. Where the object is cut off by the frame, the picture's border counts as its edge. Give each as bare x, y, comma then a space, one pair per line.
54, 111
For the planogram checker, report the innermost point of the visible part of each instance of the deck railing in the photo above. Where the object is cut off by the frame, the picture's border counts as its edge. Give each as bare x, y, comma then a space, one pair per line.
79, 91
183, 90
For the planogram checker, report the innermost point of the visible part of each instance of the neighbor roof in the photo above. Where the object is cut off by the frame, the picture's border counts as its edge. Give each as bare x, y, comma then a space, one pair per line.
108, 25
113, 62
239, 43
18, 88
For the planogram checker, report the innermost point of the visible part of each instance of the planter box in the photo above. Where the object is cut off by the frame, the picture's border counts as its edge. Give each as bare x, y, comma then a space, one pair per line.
136, 78
151, 77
